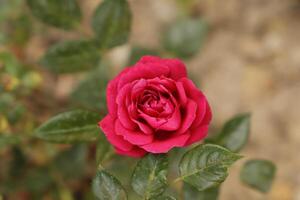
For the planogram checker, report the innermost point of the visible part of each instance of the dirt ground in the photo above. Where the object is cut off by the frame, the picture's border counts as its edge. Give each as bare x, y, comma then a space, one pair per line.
250, 62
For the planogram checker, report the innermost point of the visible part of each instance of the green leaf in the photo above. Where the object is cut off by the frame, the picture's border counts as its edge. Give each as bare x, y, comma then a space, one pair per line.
71, 56
149, 178
235, 133
189, 192
63, 14
104, 149
205, 166
185, 37
69, 127
111, 23
138, 52
70, 163
258, 174
7, 140
107, 187
91, 92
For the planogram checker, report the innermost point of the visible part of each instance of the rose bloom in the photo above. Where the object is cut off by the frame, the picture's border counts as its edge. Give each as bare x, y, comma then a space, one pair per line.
153, 107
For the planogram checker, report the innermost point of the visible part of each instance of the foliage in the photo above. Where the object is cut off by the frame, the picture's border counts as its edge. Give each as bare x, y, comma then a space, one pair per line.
258, 174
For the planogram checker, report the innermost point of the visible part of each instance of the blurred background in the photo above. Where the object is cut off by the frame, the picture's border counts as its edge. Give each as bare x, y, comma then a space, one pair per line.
244, 55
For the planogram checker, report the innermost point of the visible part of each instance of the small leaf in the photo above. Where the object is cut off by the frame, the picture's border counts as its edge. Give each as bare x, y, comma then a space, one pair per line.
205, 166
258, 174
91, 92
235, 132
71, 56
185, 37
64, 14
103, 150
190, 192
7, 140
149, 178
138, 52
69, 127
111, 23
107, 187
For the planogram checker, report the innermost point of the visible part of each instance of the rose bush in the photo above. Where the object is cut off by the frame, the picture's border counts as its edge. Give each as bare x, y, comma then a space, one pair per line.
153, 107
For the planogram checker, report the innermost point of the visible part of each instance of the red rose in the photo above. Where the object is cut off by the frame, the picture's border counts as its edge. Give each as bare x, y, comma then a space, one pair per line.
154, 107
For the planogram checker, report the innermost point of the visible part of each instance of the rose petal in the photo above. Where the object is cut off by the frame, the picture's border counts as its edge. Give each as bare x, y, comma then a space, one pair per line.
141, 70
107, 126
168, 124
189, 116
143, 127
111, 93
197, 134
123, 109
134, 137
181, 93
208, 115
177, 68
147, 59
194, 93
163, 146
135, 152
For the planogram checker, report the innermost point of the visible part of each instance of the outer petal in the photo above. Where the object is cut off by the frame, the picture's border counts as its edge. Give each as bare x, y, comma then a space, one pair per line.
107, 126
181, 93
177, 68
208, 115
134, 137
194, 93
163, 146
189, 116
197, 134
111, 93
147, 59
146, 71
135, 152
122, 112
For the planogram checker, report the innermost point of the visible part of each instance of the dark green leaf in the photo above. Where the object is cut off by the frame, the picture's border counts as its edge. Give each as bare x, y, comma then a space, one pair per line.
71, 56
64, 14
138, 52
111, 23
70, 163
7, 140
104, 149
185, 37
190, 192
235, 132
205, 166
69, 127
91, 92
107, 187
149, 178
258, 174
